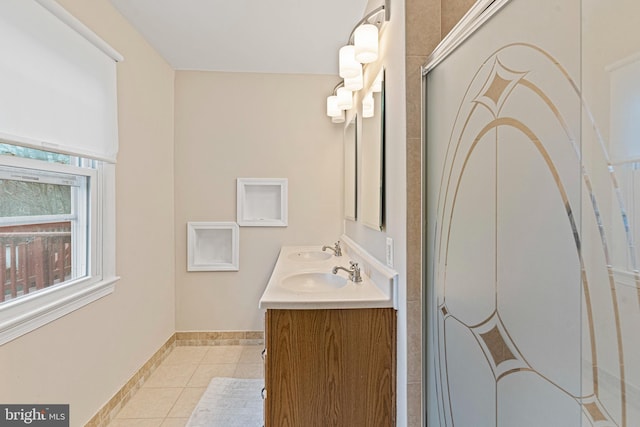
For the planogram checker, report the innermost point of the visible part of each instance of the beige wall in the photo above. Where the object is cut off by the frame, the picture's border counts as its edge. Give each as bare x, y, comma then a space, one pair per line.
85, 357
452, 12
422, 35
231, 125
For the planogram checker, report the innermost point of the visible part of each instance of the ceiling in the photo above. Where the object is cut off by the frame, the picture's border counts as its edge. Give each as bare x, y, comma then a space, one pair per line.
276, 36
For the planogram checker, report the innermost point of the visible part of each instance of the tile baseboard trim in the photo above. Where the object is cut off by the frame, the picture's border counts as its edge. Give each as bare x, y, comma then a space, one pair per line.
110, 410
191, 338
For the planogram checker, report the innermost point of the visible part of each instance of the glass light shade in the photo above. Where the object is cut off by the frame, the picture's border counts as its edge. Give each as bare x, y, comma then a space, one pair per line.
365, 40
345, 98
367, 105
354, 83
348, 66
338, 119
332, 106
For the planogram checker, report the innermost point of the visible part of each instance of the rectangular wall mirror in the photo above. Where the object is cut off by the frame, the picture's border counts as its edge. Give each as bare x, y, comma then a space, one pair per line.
350, 169
372, 162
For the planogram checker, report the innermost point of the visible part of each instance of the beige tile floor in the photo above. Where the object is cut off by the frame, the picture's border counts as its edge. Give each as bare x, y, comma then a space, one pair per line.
171, 393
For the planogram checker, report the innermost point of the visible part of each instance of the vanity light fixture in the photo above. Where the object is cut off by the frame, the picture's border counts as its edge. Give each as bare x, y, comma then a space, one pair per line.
347, 64
362, 48
332, 106
365, 40
354, 83
340, 100
339, 118
345, 98
368, 105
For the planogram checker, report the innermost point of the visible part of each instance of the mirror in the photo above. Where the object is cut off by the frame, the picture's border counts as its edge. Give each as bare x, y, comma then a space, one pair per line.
350, 168
372, 162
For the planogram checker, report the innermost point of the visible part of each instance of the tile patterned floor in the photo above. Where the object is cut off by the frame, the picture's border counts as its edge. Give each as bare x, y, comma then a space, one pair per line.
171, 393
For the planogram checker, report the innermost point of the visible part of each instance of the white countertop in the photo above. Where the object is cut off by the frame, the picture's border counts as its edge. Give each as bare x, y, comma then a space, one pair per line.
365, 294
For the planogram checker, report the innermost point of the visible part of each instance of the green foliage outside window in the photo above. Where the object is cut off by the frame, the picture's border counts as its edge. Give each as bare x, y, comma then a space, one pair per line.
33, 198
32, 153
20, 198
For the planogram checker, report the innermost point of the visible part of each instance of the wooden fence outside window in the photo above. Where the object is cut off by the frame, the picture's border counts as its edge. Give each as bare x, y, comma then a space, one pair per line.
33, 257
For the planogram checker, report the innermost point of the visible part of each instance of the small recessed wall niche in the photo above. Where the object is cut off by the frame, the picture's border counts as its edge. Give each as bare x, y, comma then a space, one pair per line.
213, 246
262, 202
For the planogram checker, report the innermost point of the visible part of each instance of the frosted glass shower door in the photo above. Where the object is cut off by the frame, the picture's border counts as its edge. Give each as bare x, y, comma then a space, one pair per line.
533, 211
504, 203
611, 160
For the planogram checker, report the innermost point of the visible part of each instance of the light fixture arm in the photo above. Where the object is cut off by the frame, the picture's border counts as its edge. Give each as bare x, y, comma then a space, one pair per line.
376, 17
336, 87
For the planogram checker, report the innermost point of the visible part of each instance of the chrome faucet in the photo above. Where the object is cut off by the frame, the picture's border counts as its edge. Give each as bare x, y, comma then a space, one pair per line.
354, 272
337, 250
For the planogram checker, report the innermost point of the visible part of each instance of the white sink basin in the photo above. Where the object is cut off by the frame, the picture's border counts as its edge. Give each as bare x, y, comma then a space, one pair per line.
313, 282
302, 280
309, 256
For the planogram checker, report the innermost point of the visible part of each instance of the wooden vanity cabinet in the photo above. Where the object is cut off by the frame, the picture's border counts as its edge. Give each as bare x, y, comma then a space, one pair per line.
329, 368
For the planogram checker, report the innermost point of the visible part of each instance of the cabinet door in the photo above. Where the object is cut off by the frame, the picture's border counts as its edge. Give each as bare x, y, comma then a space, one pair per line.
266, 413
330, 368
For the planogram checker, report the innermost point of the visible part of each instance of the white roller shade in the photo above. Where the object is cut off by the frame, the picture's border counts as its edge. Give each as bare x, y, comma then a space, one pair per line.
57, 88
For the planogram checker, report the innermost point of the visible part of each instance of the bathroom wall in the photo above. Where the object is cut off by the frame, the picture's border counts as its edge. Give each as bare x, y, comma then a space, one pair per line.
451, 12
245, 125
85, 357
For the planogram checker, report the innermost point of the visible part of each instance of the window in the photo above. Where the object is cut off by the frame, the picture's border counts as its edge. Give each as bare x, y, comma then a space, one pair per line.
55, 245
58, 148
44, 222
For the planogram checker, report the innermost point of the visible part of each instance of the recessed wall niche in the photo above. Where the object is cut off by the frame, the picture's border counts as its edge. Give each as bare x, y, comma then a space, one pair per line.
212, 246
262, 202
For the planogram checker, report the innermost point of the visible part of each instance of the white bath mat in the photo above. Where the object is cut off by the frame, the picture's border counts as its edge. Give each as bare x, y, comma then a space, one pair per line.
229, 402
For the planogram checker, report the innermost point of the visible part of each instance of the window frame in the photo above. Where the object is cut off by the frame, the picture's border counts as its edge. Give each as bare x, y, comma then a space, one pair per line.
82, 224
27, 313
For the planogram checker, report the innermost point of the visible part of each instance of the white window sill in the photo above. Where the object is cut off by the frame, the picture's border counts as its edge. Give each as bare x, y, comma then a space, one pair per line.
33, 311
